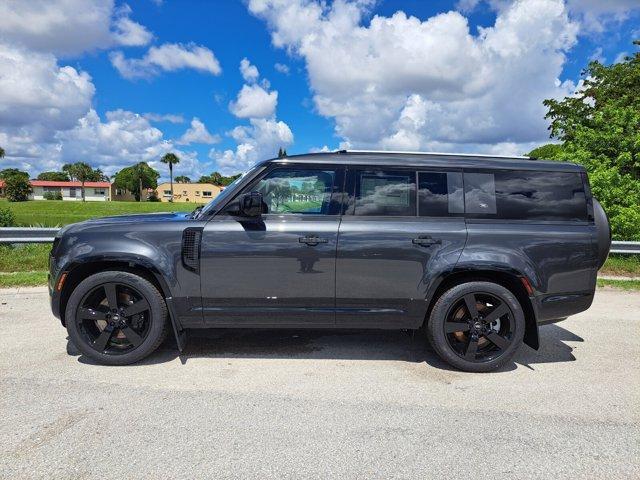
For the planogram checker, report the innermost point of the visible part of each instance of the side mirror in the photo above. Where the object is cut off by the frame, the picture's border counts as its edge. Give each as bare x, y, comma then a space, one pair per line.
251, 204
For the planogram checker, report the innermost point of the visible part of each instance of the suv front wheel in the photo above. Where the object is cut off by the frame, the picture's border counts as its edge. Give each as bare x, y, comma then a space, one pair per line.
116, 318
476, 326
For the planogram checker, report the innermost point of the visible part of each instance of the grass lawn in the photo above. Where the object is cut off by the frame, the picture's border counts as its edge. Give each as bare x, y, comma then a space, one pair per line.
23, 279
622, 265
621, 284
54, 213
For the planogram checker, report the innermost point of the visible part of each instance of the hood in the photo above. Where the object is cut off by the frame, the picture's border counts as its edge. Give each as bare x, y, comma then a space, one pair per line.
121, 219
139, 217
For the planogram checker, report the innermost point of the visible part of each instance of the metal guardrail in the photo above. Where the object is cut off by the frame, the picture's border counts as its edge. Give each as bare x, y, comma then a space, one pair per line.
45, 235
625, 247
27, 235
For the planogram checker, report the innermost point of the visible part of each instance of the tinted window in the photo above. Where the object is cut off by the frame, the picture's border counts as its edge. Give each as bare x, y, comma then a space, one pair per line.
526, 195
387, 192
297, 190
440, 194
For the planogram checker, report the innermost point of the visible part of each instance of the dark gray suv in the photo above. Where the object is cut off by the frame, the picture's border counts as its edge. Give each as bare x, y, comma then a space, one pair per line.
478, 250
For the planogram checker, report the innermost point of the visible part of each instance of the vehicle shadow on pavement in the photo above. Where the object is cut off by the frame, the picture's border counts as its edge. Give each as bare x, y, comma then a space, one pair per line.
341, 344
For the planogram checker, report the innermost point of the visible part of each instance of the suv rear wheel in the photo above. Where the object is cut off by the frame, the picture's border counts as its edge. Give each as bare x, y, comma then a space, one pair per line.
476, 326
116, 318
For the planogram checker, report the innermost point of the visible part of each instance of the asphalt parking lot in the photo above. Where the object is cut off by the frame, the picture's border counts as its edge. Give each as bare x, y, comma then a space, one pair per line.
314, 404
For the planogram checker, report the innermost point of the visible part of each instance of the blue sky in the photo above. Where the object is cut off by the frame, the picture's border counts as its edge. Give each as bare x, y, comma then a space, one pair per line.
112, 83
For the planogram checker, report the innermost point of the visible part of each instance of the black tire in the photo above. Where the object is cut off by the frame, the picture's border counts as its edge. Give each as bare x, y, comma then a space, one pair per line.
456, 345
148, 327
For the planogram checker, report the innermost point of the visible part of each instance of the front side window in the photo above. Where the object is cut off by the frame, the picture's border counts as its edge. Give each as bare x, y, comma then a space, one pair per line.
526, 195
297, 191
384, 193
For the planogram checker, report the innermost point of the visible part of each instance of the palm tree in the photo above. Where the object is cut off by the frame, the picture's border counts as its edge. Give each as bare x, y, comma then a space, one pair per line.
171, 159
81, 172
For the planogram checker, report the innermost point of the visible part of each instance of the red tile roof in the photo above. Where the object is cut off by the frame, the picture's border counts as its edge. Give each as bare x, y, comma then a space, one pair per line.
51, 183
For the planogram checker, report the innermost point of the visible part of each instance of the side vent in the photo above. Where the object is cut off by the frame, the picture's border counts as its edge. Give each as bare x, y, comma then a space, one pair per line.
191, 239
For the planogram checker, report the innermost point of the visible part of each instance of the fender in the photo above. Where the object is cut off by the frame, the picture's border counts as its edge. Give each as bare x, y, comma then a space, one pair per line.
154, 248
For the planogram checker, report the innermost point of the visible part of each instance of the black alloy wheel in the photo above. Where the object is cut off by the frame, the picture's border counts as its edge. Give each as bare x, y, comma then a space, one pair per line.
114, 318
479, 327
476, 326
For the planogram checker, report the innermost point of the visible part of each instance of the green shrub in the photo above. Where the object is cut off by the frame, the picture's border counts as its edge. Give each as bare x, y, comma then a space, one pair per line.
53, 195
17, 188
7, 218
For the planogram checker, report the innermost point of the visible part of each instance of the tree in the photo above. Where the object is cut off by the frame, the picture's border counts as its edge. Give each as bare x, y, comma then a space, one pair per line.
599, 127
82, 172
183, 179
1, 152
136, 178
171, 159
8, 172
54, 176
216, 178
282, 153
17, 188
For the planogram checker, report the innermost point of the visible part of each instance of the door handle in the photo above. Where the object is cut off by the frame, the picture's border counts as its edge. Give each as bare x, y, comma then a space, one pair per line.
426, 241
312, 240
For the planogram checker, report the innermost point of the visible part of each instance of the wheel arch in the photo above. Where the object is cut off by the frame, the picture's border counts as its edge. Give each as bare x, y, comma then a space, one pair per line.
510, 279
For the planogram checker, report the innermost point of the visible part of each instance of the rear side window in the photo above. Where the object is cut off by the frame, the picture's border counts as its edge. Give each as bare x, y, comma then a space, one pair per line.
385, 192
525, 195
440, 194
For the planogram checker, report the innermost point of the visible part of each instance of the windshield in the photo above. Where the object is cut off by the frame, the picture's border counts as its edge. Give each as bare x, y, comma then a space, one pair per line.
223, 195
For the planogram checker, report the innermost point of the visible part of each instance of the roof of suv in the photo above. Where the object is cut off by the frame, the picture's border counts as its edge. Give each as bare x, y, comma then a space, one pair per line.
424, 159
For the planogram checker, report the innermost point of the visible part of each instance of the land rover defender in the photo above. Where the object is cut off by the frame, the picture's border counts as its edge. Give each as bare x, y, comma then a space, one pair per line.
478, 251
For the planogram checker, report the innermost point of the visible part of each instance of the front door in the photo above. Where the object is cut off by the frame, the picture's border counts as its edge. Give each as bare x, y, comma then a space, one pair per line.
401, 228
277, 269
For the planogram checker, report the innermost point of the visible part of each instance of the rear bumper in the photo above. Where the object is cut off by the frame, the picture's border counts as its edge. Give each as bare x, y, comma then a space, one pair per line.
550, 308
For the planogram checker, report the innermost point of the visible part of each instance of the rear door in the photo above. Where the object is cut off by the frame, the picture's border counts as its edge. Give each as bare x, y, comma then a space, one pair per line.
401, 228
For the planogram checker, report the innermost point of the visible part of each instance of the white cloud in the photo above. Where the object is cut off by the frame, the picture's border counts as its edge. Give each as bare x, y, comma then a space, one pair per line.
253, 101
127, 32
596, 15
282, 68
198, 133
264, 135
258, 141
39, 97
598, 55
167, 57
123, 139
403, 82
164, 117
249, 72
69, 27
620, 57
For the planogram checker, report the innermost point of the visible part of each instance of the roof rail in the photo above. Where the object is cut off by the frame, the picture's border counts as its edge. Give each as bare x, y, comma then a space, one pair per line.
438, 153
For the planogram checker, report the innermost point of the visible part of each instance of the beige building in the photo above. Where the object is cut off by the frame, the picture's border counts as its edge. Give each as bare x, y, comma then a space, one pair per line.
188, 192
